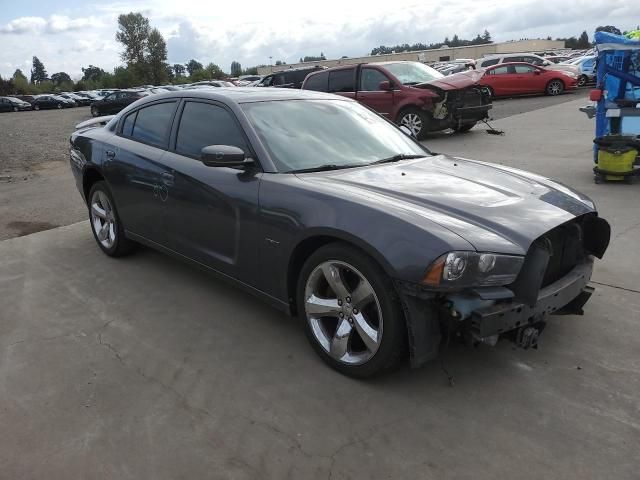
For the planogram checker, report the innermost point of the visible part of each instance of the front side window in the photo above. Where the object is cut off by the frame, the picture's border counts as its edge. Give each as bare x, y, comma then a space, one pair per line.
370, 79
302, 134
342, 80
204, 124
152, 124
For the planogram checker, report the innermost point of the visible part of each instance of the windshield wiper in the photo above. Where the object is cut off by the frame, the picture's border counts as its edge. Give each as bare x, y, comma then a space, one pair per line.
323, 168
397, 158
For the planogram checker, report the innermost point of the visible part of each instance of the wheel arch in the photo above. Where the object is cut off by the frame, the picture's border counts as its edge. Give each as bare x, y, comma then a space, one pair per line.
311, 243
90, 176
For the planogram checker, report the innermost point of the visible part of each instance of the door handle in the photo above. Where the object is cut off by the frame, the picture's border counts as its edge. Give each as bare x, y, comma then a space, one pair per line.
167, 179
110, 153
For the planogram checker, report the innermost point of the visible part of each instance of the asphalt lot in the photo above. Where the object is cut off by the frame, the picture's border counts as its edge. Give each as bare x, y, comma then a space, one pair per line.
145, 368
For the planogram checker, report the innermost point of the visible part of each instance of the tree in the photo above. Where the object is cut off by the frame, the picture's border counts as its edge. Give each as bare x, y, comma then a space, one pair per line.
455, 41
280, 62
156, 57
178, 70
236, 69
583, 41
38, 72
610, 29
93, 74
193, 66
169, 72
6, 87
214, 71
486, 36
133, 32
60, 77
250, 71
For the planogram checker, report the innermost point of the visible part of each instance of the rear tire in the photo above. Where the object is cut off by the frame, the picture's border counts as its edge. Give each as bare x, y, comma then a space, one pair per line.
105, 223
36, 107
354, 322
582, 80
415, 120
95, 112
59, 106
555, 87
15, 109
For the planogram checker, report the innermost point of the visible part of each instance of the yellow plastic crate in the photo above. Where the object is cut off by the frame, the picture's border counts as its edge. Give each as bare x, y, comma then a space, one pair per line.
616, 160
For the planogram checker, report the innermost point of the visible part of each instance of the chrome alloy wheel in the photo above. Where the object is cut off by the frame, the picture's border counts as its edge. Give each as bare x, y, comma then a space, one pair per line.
413, 122
555, 87
103, 220
343, 312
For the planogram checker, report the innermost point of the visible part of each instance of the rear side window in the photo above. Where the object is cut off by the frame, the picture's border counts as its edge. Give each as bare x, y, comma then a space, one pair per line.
127, 125
370, 79
152, 124
524, 69
342, 80
500, 71
488, 63
204, 124
318, 82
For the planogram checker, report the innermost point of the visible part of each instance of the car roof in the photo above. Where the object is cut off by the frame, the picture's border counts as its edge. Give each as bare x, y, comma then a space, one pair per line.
246, 95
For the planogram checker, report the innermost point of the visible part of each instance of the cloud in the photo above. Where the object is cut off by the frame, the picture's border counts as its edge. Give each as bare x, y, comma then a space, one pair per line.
54, 25
251, 31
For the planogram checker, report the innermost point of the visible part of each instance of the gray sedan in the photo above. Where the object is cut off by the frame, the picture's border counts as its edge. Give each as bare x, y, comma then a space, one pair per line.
330, 212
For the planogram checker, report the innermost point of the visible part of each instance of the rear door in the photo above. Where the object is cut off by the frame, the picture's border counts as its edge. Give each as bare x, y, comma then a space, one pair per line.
498, 80
132, 163
369, 91
210, 211
343, 82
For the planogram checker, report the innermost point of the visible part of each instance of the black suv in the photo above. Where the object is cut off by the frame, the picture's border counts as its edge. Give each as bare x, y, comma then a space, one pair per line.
291, 78
116, 101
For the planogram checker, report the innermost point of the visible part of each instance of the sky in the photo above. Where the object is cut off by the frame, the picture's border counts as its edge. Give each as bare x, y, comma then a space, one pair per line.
67, 35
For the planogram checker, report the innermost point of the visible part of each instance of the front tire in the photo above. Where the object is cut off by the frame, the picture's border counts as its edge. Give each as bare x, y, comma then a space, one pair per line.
415, 120
582, 80
105, 223
95, 112
15, 109
59, 106
555, 87
36, 107
351, 312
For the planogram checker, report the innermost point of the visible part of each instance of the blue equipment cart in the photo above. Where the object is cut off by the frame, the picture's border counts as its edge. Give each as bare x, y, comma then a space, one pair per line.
618, 102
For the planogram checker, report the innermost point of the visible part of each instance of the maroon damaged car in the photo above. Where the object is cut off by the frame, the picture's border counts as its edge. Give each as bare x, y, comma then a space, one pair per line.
410, 93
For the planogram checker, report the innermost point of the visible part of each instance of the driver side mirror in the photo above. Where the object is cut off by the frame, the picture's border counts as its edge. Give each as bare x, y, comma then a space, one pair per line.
385, 86
224, 156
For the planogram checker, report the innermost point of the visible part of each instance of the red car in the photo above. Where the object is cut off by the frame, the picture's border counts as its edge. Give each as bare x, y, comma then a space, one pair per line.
519, 78
409, 93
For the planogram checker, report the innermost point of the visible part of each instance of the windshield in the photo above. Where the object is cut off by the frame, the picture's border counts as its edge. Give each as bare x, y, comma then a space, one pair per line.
412, 73
305, 134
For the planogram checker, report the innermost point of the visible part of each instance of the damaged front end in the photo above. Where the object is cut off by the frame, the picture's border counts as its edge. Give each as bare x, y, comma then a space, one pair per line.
551, 279
463, 103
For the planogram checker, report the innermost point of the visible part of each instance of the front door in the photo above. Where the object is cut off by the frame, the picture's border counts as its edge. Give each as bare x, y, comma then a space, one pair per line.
371, 95
210, 211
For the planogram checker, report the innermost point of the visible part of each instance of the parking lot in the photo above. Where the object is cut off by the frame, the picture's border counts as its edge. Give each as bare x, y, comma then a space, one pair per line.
142, 367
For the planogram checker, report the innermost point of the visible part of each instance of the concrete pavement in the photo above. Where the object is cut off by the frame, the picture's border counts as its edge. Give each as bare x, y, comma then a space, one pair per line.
145, 368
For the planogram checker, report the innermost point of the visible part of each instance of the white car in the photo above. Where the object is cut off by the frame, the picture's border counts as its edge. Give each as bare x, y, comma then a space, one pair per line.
531, 58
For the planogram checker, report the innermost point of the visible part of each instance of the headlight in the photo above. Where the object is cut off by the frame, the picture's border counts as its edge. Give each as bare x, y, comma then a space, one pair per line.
473, 269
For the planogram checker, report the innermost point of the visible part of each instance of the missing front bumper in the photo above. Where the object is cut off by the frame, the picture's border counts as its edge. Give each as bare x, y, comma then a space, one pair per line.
565, 296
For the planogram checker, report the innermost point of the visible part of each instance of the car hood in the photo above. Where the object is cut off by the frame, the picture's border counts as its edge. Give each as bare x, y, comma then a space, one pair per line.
494, 208
454, 81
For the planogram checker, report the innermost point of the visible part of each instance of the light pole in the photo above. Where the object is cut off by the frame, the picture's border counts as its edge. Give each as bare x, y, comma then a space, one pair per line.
270, 64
